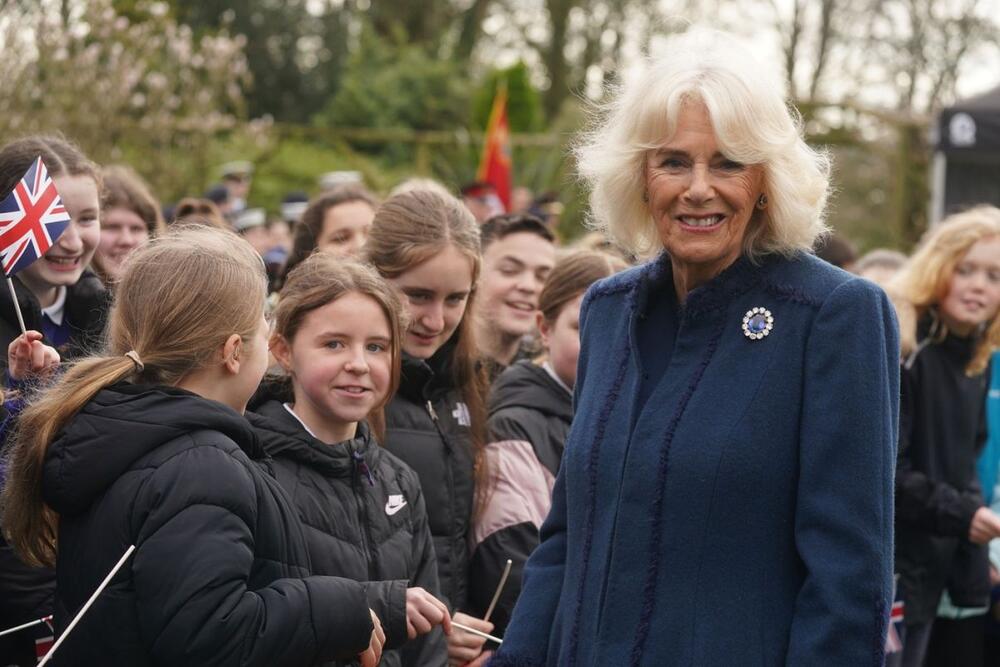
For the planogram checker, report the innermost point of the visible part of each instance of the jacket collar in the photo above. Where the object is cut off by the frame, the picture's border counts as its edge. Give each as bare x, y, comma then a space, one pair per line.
735, 280
284, 437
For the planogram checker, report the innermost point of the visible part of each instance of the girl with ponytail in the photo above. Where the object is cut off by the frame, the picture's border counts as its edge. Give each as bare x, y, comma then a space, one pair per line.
146, 444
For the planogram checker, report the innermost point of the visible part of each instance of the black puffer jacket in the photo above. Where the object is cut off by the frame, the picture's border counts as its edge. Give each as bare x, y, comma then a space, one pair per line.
530, 415
220, 574
26, 593
87, 304
364, 518
942, 430
427, 427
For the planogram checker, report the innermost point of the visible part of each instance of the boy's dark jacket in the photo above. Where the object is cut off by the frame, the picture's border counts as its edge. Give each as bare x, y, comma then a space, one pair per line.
363, 517
220, 575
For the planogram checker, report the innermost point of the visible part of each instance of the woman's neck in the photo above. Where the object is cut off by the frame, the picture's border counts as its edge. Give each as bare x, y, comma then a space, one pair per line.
688, 276
330, 431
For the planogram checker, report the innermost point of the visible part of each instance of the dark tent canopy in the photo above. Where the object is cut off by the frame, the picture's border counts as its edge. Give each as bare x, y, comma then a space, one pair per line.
967, 155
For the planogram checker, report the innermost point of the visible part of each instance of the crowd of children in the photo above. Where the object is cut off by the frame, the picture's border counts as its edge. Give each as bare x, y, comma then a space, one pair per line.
331, 440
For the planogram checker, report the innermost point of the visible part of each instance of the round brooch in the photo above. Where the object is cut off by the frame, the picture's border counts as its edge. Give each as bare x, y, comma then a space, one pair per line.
757, 323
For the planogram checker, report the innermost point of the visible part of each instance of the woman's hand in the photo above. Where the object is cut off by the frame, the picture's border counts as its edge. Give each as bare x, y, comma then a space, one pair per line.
984, 527
373, 653
28, 356
464, 647
423, 612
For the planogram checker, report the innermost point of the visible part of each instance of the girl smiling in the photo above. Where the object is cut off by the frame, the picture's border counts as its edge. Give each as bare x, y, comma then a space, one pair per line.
337, 337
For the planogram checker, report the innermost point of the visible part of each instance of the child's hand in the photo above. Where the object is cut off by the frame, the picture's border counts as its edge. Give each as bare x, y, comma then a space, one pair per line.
28, 356
373, 654
423, 612
465, 647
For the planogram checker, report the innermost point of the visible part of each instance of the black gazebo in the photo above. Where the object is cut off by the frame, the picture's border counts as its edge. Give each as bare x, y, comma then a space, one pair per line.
966, 168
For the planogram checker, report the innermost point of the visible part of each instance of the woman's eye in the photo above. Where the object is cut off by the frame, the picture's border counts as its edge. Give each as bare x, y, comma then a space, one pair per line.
730, 165
455, 300
963, 269
672, 163
418, 298
334, 344
376, 347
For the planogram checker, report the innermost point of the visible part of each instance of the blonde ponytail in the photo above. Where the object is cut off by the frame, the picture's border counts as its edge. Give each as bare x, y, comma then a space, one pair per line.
160, 329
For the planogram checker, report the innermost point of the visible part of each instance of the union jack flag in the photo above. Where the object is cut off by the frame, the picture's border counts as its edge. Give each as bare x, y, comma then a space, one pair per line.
31, 219
893, 639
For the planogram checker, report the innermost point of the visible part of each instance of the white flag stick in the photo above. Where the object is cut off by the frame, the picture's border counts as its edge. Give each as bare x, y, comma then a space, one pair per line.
39, 621
496, 596
17, 306
466, 628
86, 606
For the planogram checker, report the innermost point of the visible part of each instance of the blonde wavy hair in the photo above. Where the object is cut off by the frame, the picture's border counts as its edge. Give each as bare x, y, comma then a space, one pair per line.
925, 279
752, 123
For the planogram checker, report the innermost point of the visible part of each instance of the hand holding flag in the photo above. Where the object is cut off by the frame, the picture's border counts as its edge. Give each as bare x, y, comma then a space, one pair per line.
32, 217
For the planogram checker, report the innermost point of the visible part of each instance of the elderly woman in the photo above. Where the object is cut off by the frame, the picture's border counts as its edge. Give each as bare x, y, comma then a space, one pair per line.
726, 493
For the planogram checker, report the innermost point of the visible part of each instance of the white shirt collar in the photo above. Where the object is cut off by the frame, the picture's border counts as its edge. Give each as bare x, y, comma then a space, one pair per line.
552, 372
288, 406
56, 311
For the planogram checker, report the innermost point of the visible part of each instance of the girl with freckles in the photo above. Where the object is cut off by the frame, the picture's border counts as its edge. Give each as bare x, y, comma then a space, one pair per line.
337, 337
726, 490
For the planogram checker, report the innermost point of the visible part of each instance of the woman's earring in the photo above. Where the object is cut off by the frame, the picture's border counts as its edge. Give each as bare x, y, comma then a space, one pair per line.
762, 202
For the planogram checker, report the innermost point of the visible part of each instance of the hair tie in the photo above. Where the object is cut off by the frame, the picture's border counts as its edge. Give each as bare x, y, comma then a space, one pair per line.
134, 356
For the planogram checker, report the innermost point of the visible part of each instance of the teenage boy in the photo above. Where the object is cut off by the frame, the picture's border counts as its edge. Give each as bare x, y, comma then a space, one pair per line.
518, 253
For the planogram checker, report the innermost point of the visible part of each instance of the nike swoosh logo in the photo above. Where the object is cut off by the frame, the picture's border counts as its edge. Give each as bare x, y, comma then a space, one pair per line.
391, 509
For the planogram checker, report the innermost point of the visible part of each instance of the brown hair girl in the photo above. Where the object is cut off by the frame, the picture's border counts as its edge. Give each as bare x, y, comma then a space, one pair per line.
324, 278
571, 276
124, 191
308, 233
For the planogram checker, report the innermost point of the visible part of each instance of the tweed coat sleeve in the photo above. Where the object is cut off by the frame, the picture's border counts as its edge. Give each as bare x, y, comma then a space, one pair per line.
844, 504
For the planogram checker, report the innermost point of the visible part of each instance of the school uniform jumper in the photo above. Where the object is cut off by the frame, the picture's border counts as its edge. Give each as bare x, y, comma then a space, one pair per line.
722, 500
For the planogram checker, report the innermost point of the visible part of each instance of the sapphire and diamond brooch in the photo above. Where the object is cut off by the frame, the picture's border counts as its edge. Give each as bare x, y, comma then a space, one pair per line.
757, 323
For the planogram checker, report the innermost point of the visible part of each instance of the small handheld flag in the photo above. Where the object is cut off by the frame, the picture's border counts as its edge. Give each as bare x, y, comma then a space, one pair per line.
32, 217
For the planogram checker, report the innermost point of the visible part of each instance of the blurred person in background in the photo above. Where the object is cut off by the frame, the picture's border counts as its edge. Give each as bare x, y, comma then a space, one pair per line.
237, 177
130, 217
336, 221
482, 200
200, 211
948, 295
880, 265
521, 199
836, 250
548, 209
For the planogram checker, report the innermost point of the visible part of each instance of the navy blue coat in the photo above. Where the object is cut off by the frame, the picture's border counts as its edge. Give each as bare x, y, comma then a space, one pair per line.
744, 515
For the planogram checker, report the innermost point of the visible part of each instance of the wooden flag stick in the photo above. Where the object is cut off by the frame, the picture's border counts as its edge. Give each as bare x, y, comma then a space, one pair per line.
466, 628
9, 631
496, 596
86, 606
17, 306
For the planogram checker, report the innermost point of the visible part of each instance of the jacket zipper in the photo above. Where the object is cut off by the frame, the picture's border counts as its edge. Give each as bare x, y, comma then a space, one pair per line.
361, 468
451, 494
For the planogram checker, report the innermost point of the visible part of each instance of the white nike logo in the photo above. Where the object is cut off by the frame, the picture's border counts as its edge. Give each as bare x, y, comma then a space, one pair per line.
394, 504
